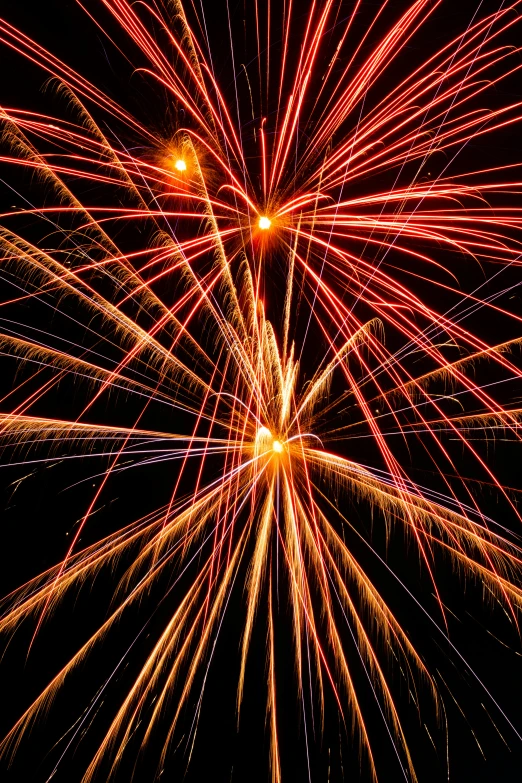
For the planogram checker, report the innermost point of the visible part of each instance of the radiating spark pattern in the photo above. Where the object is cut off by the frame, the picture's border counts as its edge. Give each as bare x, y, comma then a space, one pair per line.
283, 282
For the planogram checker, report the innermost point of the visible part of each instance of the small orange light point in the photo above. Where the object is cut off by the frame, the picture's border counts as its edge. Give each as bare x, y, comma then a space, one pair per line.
264, 222
277, 446
180, 165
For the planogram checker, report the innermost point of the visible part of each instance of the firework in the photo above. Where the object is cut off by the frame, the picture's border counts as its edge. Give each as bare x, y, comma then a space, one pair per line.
281, 299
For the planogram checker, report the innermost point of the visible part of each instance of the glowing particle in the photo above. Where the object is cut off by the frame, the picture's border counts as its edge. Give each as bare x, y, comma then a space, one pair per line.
277, 446
264, 223
180, 165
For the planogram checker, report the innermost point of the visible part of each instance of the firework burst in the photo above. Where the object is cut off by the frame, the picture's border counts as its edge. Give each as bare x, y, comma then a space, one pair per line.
269, 299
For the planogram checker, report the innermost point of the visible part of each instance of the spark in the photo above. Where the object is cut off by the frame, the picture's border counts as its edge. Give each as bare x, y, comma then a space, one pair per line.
264, 223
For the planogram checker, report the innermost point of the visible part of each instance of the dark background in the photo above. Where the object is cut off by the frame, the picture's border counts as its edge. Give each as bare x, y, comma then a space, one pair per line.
40, 507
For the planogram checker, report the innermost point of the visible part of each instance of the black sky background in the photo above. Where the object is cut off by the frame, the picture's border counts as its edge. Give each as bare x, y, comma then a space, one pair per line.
39, 508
